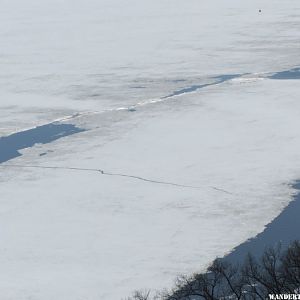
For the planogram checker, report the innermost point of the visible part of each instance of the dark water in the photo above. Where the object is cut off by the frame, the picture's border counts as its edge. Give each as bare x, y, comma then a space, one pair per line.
293, 73
284, 229
10, 145
284, 75
218, 80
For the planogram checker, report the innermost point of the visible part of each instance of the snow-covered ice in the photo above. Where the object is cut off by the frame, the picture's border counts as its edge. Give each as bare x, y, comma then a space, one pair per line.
191, 168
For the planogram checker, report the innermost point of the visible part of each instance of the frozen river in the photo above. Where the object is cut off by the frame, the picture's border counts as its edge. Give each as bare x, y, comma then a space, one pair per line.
140, 140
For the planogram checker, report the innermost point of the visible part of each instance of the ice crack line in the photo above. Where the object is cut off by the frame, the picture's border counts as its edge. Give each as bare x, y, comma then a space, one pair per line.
117, 175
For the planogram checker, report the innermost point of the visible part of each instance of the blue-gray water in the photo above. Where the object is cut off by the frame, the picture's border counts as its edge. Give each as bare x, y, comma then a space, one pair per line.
218, 80
10, 145
293, 73
285, 75
284, 229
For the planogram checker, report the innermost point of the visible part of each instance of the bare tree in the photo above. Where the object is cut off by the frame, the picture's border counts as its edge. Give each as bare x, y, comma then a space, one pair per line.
291, 266
140, 295
276, 272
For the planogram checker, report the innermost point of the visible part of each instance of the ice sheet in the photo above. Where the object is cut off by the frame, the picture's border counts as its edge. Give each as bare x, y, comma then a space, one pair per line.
83, 234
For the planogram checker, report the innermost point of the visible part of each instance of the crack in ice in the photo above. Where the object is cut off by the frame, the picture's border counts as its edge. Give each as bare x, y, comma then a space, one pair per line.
117, 175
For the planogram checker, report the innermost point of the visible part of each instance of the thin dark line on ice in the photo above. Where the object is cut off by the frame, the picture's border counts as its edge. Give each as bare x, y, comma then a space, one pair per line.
220, 190
115, 174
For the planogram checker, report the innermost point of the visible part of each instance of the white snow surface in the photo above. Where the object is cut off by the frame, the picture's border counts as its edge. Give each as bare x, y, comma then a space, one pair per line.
233, 149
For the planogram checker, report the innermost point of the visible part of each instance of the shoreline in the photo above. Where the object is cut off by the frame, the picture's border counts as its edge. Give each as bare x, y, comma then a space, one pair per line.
282, 230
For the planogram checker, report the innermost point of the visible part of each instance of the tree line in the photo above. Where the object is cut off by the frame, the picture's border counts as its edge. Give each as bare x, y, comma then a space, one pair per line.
276, 272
